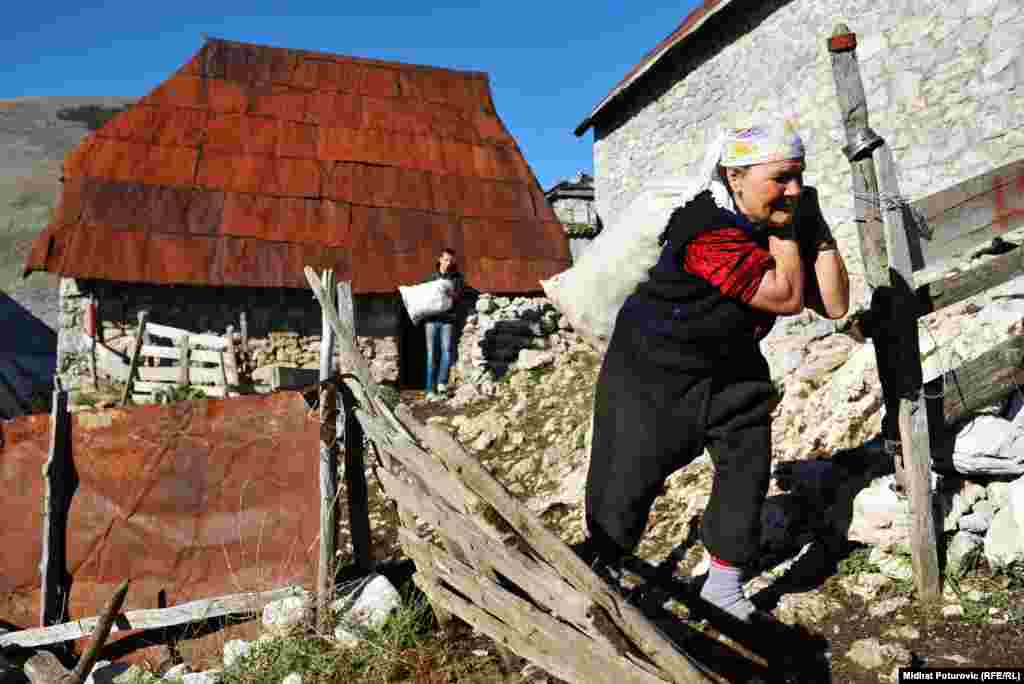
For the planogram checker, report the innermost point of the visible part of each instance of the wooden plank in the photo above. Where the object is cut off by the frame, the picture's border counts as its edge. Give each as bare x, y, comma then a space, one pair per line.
173, 353
983, 380
173, 334
211, 342
854, 110
591, 663
184, 362
133, 364
58, 489
913, 421
958, 286
537, 580
351, 433
652, 642
172, 374
328, 456
99, 636
150, 618
972, 212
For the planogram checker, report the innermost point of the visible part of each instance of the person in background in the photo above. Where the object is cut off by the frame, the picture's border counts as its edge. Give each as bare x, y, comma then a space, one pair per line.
684, 370
439, 328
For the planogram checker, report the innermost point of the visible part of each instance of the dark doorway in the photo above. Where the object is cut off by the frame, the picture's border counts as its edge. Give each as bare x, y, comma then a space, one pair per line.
412, 353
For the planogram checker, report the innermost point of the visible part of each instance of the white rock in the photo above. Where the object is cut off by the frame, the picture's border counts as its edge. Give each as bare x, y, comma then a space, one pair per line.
872, 654
952, 611
292, 678
374, 602
865, 585
280, 617
998, 493
1004, 542
890, 565
1015, 501
104, 672
977, 522
207, 677
534, 358
889, 605
960, 546
178, 671
234, 650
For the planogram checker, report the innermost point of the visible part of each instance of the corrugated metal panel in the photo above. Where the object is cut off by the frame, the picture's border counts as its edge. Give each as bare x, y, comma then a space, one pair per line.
280, 158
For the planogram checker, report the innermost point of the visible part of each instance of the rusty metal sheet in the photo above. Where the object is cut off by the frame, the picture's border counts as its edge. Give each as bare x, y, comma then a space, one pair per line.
236, 134
459, 158
47, 250
336, 109
338, 181
391, 186
179, 259
72, 203
378, 230
248, 64
500, 239
303, 135
192, 499
281, 102
296, 140
104, 253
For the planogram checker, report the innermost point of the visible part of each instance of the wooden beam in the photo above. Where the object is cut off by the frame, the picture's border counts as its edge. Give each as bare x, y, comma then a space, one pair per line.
958, 286
853, 111
133, 364
99, 636
183, 362
913, 421
352, 436
59, 487
971, 213
150, 618
983, 380
328, 451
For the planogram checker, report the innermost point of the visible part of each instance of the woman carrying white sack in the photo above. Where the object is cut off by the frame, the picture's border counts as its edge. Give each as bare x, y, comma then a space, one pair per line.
684, 371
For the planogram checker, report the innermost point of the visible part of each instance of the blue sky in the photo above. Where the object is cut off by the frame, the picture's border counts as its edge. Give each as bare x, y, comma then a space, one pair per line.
549, 62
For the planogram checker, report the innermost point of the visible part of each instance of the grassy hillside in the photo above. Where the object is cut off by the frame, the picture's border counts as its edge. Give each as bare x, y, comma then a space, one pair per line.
35, 135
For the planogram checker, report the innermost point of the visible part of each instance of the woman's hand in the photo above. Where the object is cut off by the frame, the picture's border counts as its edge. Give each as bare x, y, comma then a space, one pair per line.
827, 287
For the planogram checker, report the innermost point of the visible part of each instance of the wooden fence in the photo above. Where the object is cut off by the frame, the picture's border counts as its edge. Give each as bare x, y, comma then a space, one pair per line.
907, 249
179, 358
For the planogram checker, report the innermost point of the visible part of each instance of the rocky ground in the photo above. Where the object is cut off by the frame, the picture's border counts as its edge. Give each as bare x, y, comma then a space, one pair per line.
531, 431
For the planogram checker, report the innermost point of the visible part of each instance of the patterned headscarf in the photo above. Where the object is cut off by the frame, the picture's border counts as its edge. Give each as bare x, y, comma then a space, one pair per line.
761, 143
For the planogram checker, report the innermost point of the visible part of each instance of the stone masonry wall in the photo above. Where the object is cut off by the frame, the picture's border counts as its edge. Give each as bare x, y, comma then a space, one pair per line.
284, 326
943, 83
574, 210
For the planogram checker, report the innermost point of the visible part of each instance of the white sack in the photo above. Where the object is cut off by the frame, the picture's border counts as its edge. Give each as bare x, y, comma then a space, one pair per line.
592, 291
427, 299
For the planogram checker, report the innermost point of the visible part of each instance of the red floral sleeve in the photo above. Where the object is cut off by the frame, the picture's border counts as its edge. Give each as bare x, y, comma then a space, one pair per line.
728, 259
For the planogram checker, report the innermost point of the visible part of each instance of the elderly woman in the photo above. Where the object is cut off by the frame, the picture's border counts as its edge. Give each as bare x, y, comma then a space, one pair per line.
684, 370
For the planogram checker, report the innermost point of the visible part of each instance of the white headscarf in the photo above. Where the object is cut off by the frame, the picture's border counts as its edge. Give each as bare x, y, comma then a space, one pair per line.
775, 140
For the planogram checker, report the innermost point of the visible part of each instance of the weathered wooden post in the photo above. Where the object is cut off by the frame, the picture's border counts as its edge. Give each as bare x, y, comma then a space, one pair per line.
57, 474
184, 360
889, 271
328, 463
351, 432
133, 364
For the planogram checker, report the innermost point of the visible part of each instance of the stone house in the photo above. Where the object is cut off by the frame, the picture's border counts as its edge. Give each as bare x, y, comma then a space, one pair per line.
943, 83
573, 203
203, 202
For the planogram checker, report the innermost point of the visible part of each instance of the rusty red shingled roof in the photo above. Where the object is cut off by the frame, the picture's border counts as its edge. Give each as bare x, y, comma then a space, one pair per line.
250, 162
693, 21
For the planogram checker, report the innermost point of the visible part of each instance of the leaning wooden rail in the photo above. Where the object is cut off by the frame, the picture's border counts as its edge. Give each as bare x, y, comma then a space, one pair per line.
149, 618
560, 614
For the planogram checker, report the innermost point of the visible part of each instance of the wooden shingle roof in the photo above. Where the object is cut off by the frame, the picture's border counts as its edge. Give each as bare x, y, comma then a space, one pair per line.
251, 162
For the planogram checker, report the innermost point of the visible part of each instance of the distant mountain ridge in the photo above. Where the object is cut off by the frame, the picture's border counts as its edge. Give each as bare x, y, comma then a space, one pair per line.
35, 135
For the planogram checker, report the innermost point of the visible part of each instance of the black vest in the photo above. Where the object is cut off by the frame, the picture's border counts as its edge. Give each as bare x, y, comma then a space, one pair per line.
685, 321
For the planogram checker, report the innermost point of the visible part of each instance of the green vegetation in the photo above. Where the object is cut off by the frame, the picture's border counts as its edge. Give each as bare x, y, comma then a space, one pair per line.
93, 116
176, 393
406, 648
858, 562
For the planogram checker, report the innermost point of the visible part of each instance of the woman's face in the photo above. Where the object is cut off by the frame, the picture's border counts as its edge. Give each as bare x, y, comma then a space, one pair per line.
770, 192
445, 262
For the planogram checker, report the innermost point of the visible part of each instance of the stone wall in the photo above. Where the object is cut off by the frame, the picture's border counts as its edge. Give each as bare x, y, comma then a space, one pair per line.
521, 331
943, 82
575, 210
283, 326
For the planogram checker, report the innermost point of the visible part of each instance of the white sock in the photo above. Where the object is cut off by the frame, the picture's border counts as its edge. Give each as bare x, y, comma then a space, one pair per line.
724, 589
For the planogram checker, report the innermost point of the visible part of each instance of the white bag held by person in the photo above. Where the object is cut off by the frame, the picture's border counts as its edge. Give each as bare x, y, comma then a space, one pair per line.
427, 299
592, 291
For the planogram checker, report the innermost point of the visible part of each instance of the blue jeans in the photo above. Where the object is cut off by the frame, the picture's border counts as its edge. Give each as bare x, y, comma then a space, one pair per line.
439, 338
